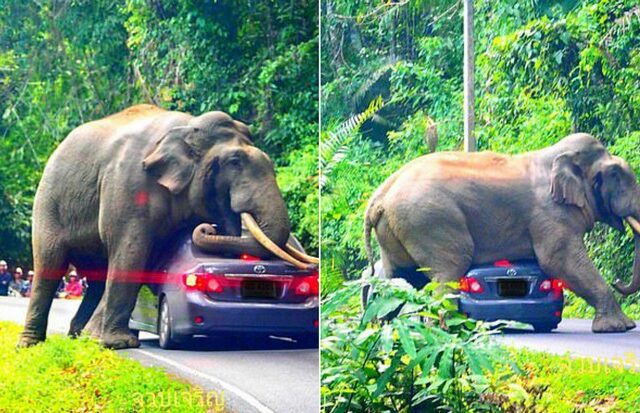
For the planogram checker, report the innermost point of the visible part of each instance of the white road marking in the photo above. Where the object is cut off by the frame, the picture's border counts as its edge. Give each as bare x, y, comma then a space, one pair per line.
252, 401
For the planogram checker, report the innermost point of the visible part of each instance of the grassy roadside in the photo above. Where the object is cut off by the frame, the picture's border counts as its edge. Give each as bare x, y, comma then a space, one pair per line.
65, 375
560, 384
576, 307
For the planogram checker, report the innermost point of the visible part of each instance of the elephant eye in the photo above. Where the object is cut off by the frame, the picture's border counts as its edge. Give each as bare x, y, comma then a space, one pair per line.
233, 161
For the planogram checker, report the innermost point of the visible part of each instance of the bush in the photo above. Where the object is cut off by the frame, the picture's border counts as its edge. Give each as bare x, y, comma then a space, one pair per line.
428, 357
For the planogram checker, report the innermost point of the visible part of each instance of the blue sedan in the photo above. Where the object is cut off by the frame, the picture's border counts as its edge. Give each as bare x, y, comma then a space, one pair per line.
518, 291
190, 292
513, 291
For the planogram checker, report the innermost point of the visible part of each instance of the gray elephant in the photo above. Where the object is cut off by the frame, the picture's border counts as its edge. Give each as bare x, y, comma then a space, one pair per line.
118, 186
448, 211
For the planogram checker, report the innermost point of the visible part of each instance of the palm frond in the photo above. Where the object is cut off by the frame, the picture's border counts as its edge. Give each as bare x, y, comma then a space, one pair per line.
334, 144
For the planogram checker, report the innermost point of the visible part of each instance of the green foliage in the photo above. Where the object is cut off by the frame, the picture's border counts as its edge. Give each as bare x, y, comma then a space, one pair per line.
66, 375
334, 144
64, 63
572, 384
543, 70
427, 358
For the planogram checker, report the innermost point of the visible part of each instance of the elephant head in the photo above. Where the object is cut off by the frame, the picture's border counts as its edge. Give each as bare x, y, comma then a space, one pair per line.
603, 186
212, 163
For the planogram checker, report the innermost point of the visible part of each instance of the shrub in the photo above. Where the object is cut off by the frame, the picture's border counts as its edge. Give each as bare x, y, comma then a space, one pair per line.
428, 357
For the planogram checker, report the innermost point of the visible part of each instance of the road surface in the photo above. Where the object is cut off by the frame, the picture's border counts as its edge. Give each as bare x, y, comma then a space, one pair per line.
256, 375
575, 337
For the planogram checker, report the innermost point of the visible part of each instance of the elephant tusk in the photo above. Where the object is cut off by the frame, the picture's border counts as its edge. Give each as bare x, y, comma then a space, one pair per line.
301, 255
260, 236
634, 224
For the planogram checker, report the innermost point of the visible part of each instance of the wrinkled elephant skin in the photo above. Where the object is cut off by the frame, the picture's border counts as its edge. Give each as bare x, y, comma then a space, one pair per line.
118, 186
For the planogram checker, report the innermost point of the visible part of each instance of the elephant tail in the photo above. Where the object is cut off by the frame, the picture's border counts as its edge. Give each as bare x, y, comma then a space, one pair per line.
371, 217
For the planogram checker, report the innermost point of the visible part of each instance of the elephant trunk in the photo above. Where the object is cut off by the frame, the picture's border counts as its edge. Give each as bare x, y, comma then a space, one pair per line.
260, 244
634, 285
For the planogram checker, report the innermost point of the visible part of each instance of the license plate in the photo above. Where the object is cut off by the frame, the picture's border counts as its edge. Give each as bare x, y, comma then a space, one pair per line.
512, 288
259, 289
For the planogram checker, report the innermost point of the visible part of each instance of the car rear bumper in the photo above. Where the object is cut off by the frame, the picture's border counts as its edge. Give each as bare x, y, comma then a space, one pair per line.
250, 317
546, 310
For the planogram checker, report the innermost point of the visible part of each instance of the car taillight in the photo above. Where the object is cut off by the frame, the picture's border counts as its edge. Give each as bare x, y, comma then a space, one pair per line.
502, 263
558, 285
208, 283
552, 284
470, 285
247, 257
307, 285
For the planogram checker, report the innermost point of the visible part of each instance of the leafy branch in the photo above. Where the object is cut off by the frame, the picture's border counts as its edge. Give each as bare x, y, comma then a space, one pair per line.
334, 144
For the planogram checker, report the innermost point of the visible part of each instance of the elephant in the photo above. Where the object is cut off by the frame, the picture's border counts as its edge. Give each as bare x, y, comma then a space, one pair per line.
117, 187
447, 211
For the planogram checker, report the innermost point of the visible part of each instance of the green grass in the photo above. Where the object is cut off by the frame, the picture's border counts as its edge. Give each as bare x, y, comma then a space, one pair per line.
65, 375
560, 384
576, 307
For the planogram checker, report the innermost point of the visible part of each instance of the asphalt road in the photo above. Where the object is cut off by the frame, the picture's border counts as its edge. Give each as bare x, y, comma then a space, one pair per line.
575, 337
255, 374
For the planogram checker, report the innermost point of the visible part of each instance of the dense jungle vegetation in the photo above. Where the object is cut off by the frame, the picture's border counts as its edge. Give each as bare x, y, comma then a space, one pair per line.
66, 62
543, 70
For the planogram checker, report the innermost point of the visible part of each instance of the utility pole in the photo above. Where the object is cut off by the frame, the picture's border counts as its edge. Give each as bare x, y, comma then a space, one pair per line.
469, 98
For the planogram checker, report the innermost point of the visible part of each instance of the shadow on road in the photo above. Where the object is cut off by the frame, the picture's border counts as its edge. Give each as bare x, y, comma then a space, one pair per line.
239, 342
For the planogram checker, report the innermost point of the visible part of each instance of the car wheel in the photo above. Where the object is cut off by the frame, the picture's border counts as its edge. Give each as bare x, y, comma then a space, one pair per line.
544, 328
166, 337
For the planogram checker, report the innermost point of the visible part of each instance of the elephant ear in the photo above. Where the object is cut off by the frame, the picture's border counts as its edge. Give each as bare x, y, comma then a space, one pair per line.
171, 161
567, 181
604, 184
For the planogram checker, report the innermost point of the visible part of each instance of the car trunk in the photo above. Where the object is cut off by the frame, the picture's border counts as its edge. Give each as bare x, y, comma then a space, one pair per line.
258, 281
509, 281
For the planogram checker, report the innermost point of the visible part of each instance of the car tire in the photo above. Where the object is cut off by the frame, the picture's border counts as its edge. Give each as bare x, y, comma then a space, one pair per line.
166, 337
544, 328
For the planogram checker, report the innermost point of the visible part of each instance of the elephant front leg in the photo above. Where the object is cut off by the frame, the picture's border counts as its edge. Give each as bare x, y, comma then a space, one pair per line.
568, 260
110, 322
120, 299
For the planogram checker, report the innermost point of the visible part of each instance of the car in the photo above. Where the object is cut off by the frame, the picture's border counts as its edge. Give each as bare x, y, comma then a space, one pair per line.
190, 292
516, 291
502, 290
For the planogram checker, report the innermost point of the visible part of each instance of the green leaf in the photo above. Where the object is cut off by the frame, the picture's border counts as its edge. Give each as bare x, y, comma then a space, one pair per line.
386, 338
405, 338
386, 376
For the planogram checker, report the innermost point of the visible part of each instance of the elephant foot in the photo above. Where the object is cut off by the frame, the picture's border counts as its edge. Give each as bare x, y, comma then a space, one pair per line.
91, 332
118, 341
28, 341
612, 324
629, 323
74, 331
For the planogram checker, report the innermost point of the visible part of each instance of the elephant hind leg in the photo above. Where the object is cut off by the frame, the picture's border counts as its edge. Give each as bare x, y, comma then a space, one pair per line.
392, 252
50, 264
443, 258
87, 307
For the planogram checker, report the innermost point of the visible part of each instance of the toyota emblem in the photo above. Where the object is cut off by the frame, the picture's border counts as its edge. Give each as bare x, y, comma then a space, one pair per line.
259, 269
512, 272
